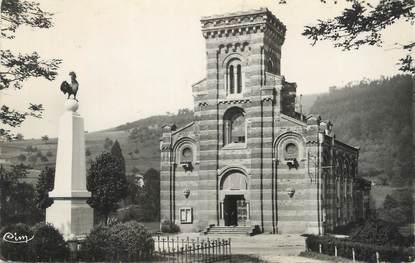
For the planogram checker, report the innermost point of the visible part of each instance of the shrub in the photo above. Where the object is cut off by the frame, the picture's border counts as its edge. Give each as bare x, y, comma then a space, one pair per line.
168, 226
132, 212
128, 241
363, 252
48, 244
15, 251
378, 232
132, 240
96, 246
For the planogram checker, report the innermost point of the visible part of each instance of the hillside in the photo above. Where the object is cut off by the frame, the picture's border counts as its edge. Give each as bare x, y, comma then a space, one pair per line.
374, 115
139, 141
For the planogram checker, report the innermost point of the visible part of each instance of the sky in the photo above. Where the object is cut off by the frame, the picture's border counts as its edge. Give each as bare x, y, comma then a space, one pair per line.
138, 58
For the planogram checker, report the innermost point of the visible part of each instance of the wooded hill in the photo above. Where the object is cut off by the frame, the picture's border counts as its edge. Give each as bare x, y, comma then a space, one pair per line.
374, 115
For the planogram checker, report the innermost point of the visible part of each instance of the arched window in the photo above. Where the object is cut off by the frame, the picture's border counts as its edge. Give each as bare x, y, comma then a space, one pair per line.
234, 77
234, 126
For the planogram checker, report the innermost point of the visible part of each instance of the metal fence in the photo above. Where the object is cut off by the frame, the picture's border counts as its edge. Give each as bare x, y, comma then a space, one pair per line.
180, 250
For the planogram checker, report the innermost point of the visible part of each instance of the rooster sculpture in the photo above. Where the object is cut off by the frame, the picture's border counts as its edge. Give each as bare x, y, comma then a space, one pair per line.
70, 88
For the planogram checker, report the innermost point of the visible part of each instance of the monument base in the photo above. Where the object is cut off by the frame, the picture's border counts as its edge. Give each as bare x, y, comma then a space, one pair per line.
71, 217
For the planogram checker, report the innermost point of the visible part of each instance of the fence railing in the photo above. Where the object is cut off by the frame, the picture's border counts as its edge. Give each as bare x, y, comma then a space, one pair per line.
182, 250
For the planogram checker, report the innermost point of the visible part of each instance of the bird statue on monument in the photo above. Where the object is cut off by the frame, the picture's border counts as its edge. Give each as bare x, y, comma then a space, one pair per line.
70, 88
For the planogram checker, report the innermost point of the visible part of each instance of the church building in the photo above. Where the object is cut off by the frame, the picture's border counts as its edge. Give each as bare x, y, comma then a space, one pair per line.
251, 161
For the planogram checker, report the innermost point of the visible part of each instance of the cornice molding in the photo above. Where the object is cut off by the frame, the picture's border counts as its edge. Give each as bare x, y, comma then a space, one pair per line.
243, 23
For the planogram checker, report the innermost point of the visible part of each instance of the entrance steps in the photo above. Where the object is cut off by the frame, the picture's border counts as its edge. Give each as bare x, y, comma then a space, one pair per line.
231, 230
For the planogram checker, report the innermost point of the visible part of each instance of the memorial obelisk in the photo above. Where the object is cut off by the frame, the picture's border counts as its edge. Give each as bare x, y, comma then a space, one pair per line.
70, 213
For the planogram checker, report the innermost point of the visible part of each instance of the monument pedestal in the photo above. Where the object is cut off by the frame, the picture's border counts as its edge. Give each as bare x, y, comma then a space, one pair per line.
70, 213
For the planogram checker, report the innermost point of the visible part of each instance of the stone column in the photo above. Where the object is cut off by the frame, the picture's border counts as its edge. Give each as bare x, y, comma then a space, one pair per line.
70, 213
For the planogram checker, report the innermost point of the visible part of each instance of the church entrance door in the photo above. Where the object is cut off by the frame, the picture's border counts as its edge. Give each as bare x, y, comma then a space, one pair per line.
235, 210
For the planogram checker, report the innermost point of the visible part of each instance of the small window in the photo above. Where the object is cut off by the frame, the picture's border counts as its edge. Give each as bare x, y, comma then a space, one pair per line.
186, 215
187, 155
291, 151
270, 66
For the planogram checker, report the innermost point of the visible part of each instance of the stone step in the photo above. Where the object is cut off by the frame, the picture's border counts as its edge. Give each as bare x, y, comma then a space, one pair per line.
230, 230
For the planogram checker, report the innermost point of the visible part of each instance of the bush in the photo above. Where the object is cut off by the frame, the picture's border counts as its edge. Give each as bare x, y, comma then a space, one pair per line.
48, 244
96, 245
378, 232
128, 241
363, 252
132, 212
15, 251
168, 226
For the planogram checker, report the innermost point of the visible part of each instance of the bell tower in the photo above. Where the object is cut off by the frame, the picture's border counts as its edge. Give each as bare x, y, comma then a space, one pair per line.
241, 48
232, 105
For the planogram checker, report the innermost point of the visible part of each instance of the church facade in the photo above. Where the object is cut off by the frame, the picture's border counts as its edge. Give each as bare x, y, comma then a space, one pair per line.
251, 158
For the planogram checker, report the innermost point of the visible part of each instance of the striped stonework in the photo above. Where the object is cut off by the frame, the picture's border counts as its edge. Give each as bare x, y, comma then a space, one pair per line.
248, 158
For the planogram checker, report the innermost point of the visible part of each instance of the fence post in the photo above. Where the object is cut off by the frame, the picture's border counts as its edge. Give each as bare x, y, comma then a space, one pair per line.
335, 250
178, 246
230, 250
208, 249
194, 248
158, 243
353, 255
173, 249
182, 249
219, 248
377, 257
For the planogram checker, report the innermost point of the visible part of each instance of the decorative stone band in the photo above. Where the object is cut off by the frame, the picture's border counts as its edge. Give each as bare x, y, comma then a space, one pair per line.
241, 101
246, 29
262, 15
166, 148
267, 98
203, 104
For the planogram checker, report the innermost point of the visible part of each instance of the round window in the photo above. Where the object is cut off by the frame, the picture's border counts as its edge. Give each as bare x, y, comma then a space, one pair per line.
291, 151
187, 154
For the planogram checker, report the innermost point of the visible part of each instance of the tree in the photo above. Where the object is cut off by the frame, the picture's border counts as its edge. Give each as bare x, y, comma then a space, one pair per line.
389, 202
134, 134
17, 198
45, 138
17, 68
19, 137
21, 157
108, 143
117, 154
149, 199
363, 24
107, 183
44, 185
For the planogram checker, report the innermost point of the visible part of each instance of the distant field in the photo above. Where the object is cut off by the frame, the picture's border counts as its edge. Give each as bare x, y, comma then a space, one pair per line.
142, 155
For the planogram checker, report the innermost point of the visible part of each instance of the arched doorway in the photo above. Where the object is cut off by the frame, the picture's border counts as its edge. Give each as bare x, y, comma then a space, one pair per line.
234, 205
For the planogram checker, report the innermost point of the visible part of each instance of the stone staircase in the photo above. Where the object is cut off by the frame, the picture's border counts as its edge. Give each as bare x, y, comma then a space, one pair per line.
231, 230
